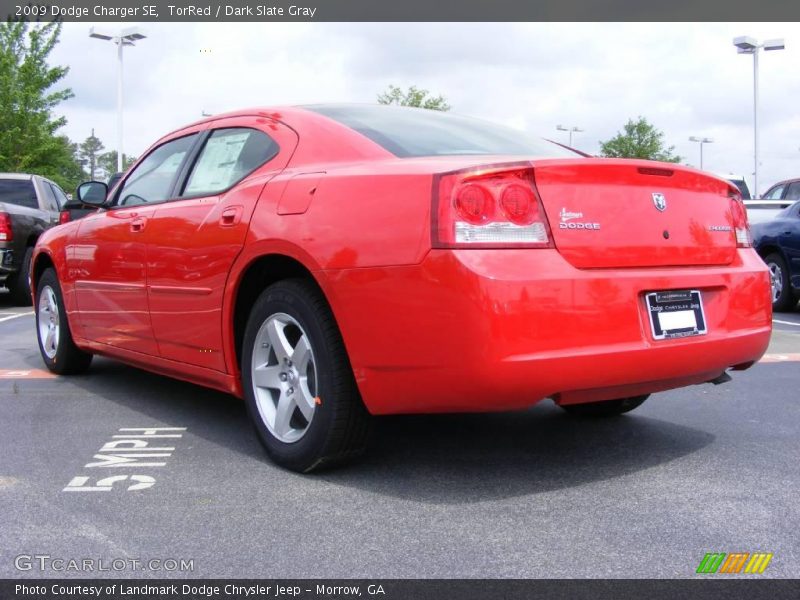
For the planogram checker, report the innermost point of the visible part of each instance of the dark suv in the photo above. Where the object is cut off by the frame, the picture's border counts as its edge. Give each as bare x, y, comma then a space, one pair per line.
29, 204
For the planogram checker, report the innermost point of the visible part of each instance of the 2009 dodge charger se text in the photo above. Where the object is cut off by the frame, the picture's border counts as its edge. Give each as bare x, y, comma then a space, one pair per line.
330, 262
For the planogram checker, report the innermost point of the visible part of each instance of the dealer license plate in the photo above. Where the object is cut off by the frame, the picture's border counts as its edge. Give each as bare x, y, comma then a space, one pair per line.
675, 314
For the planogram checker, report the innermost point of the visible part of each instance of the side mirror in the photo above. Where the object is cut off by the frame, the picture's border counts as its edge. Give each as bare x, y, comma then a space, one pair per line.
92, 193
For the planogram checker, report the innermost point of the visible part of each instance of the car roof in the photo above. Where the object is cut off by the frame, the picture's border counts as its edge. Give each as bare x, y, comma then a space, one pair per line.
784, 182
16, 176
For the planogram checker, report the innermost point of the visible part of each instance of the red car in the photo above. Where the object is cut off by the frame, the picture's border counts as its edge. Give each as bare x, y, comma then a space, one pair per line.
331, 262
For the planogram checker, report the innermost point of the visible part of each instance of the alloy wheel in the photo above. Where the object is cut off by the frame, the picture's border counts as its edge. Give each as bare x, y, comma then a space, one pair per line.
776, 280
48, 322
284, 377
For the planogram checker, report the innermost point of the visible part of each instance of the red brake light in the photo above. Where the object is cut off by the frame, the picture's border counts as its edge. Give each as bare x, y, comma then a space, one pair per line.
474, 204
63, 217
6, 233
492, 207
740, 225
519, 204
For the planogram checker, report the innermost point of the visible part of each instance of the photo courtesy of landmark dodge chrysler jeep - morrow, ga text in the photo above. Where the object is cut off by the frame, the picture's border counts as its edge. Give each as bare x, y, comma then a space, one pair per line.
331, 262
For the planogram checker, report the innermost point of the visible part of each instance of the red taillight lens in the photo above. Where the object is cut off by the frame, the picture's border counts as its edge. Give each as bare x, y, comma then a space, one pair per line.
6, 234
492, 207
740, 225
474, 204
519, 204
63, 217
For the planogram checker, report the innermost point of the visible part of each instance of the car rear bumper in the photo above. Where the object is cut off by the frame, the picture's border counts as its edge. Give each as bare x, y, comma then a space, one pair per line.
480, 330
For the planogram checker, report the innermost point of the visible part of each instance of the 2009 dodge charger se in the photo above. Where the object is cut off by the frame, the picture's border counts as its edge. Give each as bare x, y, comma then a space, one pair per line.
330, 262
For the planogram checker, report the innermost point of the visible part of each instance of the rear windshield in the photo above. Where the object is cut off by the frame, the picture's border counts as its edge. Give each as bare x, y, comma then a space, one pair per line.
410, 132
789, 210
18, 191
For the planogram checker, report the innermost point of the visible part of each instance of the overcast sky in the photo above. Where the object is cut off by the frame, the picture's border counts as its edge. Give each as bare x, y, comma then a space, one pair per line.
687, 79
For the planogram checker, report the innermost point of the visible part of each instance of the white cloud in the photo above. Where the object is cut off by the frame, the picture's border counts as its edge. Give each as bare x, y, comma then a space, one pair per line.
685, 78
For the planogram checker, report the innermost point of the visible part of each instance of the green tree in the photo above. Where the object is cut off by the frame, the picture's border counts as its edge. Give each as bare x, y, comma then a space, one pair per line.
29, 142
90, 152
639, 140
108, 162
413, 97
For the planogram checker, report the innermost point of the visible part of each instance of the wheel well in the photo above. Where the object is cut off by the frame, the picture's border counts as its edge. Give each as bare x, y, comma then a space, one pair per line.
765, 251
43, 261
32, 241
262, 273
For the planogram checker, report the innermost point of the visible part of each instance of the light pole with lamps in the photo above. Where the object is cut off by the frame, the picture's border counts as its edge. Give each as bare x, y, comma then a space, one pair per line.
701, 141
571, 130
748, 45
126, 37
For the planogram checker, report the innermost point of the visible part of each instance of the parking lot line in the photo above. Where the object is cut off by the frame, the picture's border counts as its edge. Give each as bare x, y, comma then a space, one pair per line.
14, 316
786, 322
786, 357
26, 374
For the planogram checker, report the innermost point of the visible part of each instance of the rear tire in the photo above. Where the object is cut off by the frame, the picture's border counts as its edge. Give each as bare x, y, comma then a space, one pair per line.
20, 286
609, 408
783, 300
297, 380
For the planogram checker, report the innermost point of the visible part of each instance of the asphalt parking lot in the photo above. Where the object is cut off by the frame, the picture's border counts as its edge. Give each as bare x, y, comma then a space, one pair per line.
531, 494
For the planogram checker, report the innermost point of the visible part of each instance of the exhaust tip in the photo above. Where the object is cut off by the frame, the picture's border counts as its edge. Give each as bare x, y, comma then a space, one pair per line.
723, 378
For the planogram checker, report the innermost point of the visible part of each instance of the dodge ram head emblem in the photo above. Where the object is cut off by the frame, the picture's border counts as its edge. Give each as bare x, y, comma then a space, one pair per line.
660, 201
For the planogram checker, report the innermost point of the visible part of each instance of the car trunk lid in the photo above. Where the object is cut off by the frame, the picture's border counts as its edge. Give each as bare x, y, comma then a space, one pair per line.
611, 213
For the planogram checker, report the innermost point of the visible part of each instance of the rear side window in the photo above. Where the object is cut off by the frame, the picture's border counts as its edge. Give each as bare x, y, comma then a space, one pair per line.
49, 197
61, 197
152, 179
793, 193
792, 210
411, 132
775, 193
19, 192
228, 156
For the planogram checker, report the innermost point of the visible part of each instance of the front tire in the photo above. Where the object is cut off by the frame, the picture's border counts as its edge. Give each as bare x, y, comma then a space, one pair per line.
20, 286
783, 299
59, 352
609, 408
297, 380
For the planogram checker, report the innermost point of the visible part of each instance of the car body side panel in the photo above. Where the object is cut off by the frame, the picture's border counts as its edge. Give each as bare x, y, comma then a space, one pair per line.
192, 244
108, 259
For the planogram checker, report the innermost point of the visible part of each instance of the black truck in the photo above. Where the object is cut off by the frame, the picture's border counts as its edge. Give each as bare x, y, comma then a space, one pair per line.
29, 204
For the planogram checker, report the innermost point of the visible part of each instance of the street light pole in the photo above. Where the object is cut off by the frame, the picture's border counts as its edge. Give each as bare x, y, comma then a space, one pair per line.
119, 104
747, 45
126, 37
701, 141
571, 130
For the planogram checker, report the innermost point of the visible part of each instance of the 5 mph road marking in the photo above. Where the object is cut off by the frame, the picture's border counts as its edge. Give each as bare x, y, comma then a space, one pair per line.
124, 451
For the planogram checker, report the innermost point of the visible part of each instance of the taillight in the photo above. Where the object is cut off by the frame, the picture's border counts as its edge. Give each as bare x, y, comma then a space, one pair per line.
6, 234
740, 225
63, 217
493, 207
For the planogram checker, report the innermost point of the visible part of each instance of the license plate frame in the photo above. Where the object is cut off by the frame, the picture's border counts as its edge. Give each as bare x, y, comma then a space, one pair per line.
686, 315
